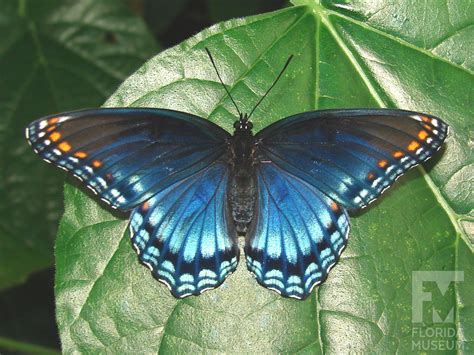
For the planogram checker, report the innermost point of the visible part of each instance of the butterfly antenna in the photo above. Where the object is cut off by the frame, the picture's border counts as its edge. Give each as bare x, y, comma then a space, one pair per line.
274, 83
220, 79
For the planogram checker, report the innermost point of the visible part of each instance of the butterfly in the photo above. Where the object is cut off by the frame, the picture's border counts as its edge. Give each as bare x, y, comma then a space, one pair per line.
192, 187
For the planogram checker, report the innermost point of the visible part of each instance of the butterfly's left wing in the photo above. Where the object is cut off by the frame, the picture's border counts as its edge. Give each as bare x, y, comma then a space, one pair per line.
313, 166
185, 233
352, 155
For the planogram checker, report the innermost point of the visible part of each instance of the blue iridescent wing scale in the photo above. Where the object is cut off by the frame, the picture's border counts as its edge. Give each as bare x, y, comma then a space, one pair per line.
352, 155
185, 234
297, 235
127, 155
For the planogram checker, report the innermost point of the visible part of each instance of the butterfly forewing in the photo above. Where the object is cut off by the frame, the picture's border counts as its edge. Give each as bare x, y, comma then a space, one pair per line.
352, 155
127, 155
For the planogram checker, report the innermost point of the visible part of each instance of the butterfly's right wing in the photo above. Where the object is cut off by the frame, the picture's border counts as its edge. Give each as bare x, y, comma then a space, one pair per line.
297, 233
127, 155
170, 168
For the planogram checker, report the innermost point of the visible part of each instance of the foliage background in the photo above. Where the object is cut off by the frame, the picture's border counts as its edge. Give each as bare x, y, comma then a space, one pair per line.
63, 55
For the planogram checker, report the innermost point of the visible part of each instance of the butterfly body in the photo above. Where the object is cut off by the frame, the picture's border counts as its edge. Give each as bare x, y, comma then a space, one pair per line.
243, 184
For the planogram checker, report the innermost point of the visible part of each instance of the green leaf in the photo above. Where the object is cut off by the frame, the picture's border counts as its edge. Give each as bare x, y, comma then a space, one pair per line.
54, 56
106, 301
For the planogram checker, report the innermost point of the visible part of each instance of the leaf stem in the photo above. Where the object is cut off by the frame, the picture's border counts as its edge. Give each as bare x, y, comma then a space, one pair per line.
22, 347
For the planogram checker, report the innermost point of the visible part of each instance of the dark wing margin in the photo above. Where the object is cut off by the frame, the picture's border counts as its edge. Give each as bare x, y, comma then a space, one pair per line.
297, 234
126, 155
352, 155
185, 234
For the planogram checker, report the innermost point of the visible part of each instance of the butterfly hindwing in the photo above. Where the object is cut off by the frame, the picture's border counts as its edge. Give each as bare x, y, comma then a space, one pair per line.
352, 155
297, 235
127, 155
185, 234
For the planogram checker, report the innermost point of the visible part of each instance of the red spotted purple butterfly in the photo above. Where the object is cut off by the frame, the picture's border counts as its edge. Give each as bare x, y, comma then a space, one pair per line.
192, 187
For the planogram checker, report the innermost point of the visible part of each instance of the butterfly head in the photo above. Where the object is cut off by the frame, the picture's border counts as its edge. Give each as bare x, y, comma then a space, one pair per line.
243, 124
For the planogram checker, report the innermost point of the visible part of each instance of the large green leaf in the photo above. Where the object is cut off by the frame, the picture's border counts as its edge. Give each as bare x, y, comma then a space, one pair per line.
54, 56
106, 301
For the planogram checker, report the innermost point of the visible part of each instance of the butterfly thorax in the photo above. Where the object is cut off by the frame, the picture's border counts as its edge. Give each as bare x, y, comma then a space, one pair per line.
242, 187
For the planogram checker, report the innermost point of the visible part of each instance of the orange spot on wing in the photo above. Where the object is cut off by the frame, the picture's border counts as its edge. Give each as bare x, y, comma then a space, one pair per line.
334, 206
370, 176
413, 145
53, 120
52, 128
425, 119
64, 146
422, 134
96, 163
55, 136
427, 127
382, 163
81, 155
146, 205
398, 154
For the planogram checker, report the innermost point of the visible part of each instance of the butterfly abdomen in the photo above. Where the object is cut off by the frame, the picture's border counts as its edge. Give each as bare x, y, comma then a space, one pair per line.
242, 199
243, 183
